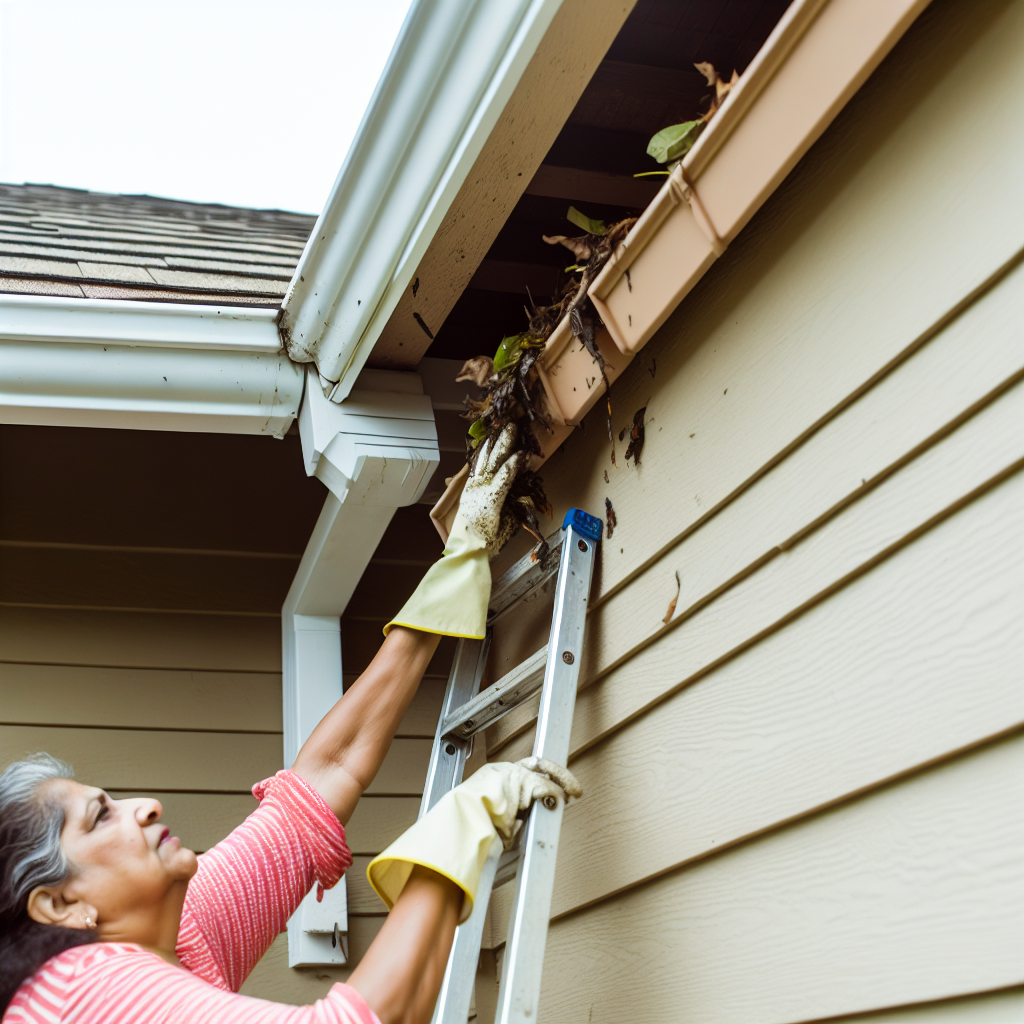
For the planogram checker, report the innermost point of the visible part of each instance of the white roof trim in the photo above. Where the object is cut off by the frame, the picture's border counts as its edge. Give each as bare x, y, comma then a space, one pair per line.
449, 76
144, 366
127, 322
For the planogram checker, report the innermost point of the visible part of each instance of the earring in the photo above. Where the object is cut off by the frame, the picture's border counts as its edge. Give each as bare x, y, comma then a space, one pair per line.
90, 923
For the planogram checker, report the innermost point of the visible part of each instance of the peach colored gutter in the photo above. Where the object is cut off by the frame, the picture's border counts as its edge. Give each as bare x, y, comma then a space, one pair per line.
816, 58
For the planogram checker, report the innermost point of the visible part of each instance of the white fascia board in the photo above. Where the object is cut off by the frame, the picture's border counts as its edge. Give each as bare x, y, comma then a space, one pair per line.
450, 74
144, 366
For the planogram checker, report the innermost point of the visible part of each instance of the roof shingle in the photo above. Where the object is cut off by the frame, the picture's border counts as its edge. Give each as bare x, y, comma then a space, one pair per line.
63, 241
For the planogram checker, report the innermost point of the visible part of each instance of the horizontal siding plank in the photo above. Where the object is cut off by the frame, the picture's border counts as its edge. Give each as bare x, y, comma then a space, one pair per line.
779, 335
144, 759
988, 445
47, 636
153, 581
379, 820
962, 366
140, 698
1006, 1007
273, 979
816, 713
918, 888
204, 761
361, 897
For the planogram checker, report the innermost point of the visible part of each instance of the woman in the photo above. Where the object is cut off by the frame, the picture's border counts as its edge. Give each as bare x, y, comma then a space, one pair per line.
105, 917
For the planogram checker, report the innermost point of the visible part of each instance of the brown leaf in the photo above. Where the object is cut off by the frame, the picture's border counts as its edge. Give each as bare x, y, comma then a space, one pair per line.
636, 437
722, 86
672, 604
708, 71
477, 370
579, 247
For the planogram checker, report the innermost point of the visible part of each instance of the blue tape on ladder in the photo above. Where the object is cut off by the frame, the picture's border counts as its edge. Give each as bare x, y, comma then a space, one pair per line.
590, 526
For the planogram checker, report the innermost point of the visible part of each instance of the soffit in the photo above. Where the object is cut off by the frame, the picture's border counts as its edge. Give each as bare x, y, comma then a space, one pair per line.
644, 82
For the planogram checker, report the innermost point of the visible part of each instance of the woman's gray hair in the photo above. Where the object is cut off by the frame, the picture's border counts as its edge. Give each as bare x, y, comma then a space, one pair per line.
30, 828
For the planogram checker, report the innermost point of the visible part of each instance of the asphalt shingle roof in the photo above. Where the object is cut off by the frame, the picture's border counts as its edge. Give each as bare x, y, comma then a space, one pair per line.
63, 241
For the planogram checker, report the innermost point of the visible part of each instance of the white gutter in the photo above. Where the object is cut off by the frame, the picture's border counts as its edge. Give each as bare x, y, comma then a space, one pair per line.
450, 74
375, 453
144, 366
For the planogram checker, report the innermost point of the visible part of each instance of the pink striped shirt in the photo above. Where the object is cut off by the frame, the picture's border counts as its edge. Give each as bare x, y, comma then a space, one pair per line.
245, 890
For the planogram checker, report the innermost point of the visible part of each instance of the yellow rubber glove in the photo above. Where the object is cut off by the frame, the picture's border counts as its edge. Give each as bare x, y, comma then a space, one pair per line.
452, 598
455, 836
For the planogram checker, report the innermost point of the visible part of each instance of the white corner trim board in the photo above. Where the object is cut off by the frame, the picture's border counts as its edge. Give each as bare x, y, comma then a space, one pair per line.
449, 76
144, 366
375, 453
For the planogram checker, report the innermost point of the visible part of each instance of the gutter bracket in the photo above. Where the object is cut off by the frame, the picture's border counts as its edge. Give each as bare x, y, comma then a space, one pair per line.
685, 189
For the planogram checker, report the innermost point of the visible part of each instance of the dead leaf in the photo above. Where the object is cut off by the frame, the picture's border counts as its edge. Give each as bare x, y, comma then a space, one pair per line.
722, 86
609, 517
477, 370
672, 604
579, 247
636, 437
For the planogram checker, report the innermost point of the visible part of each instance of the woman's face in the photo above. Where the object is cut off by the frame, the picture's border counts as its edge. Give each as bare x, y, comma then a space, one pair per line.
125, 863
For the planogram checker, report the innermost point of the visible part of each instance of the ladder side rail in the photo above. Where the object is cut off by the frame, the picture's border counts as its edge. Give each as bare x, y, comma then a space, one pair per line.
456, 995
448, 756
523, 964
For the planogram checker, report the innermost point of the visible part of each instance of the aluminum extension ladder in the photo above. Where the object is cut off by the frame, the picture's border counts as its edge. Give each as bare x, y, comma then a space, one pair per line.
554, 670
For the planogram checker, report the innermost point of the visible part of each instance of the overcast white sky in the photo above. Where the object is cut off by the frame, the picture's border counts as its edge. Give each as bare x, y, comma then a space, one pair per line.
245, 102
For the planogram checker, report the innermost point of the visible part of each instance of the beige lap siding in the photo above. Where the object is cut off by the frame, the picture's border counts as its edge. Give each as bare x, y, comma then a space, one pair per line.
803, 793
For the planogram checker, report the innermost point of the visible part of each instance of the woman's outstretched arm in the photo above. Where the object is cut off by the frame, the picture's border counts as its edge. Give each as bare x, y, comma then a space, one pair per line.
401, 973
341, 757
344, 752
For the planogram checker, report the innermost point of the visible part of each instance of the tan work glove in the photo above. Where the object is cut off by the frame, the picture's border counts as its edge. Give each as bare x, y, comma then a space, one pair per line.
452, 598
455, 836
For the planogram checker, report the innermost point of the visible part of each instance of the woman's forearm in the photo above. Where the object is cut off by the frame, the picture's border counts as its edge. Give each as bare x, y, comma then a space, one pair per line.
401, 973
344, 752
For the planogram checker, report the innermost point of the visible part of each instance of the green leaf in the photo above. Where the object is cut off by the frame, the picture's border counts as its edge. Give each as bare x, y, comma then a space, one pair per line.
651, 174
674, 142
508, 352
581, 220
573, 269
478, 429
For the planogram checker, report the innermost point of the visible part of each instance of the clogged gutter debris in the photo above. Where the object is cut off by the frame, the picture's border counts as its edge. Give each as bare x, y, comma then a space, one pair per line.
512, 388
671, 144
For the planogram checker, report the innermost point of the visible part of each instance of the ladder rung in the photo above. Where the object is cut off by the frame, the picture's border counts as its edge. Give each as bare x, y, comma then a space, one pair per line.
526, 575
498, 700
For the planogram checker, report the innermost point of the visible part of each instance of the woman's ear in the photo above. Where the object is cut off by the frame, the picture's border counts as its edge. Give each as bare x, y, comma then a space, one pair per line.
47, 905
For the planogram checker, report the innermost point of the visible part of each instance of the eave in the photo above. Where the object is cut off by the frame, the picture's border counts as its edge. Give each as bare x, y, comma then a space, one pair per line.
145, 365
815, 59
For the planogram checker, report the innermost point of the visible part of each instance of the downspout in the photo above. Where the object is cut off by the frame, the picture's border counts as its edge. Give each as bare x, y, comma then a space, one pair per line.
375, 453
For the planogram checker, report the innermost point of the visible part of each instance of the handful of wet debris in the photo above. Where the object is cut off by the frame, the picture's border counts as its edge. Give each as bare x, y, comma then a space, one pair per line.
510, 380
